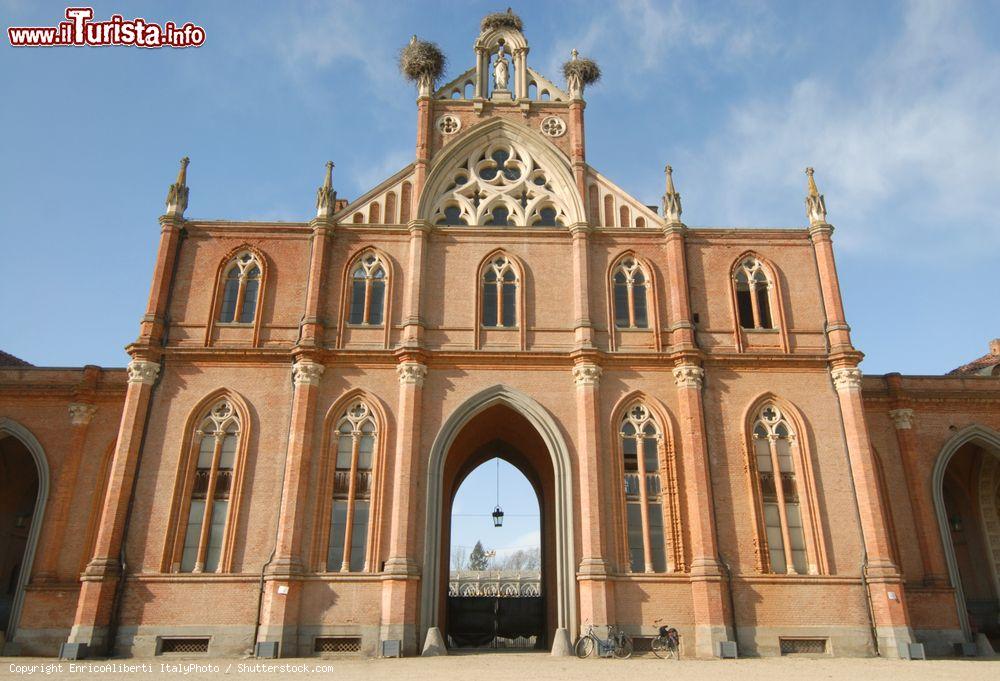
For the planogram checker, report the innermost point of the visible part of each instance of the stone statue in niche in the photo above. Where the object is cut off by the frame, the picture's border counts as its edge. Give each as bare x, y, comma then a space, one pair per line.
501, 71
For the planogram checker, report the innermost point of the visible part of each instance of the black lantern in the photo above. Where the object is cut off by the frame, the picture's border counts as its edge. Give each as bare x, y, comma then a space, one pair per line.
497, 517
956, 523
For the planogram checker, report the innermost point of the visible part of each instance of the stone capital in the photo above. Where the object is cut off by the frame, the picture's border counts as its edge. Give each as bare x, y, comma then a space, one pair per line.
307, 372
142, 371
902, 418
587, 374
80, 414
411, 373
846, 378
689, 376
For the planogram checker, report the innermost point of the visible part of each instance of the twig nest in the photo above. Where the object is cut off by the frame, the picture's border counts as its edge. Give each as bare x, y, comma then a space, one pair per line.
498, 20
581, 70
421, 60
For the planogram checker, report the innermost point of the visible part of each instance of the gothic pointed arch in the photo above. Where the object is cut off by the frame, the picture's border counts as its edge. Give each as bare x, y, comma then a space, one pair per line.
501, 174
202, 525
756, 299
647, 503
781, 478
633, 298
356, 408
499, 296
377, 279
238, 295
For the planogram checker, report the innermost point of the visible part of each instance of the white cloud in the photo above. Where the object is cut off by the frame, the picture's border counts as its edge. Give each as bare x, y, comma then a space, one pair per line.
905, 152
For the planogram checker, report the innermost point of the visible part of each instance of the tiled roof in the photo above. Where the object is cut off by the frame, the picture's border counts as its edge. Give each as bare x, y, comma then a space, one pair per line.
984, 364
8, 360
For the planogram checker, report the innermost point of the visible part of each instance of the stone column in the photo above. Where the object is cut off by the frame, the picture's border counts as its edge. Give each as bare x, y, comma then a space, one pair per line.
312, 329
401, 588
919, 498
283, 586
837, 331
596, 591
578, 147
100, 578
885, 584
64, 484
583, 330
707, 589
682, 335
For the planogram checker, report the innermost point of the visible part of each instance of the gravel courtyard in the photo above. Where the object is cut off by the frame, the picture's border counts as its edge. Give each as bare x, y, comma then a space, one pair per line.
508, 666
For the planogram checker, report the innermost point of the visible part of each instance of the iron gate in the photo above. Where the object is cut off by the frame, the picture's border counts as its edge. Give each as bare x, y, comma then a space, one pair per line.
496, 622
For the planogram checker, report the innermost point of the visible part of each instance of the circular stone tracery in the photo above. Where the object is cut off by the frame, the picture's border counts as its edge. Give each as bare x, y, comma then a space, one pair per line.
449, 124
553, 126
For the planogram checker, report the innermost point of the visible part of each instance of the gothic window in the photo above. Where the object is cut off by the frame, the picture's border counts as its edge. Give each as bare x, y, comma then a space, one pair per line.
215, 441
355, 440
753, 298
368, 286
774, 445
499, 285
640, 443
629, 284
500, 185
240, 290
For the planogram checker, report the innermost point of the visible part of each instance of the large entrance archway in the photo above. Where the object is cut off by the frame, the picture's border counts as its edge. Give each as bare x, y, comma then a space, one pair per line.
967, 501
24, 488
502, 421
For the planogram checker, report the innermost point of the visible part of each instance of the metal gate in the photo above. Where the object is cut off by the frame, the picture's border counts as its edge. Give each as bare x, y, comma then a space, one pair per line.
496, 622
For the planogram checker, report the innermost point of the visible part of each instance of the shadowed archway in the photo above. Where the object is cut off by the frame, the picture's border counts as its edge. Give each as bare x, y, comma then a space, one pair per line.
535, 445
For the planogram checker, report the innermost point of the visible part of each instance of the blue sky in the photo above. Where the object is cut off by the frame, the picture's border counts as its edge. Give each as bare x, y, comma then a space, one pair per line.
894, 103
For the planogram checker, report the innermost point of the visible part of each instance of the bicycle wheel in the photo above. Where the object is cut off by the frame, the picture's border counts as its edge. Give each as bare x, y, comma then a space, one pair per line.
659, 647
584, 647
623, 650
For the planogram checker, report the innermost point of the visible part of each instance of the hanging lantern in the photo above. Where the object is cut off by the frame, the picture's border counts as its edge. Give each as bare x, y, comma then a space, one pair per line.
497, 517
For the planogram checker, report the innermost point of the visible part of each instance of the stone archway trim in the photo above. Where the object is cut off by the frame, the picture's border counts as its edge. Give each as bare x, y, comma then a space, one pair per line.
547, 428
990, 439
14, 429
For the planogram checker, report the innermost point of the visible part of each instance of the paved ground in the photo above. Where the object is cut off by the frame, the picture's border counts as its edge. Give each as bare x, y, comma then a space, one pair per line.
504, 667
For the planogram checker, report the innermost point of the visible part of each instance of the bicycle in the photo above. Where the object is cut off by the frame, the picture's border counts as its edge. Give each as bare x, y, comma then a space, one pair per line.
618, 644
667, 644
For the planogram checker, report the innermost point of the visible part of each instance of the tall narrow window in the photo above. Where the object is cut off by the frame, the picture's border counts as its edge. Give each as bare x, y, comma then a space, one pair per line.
753, 298
240, 290
216, 440
630, 283
640, 439
352, 484
368, 281
499, 302
773, 442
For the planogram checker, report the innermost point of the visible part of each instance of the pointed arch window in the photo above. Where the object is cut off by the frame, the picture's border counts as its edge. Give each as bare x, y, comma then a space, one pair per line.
240, 290
753, 295
356, 438
368, 284
641, 438
499, 288
216, 441
778, 486
630, 283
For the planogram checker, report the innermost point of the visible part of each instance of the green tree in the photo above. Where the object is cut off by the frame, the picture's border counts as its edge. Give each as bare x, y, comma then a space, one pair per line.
478, 559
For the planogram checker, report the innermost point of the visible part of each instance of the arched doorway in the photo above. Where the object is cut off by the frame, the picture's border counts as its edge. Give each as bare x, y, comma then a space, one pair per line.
495, 594
24, 486
501, 419
967, 500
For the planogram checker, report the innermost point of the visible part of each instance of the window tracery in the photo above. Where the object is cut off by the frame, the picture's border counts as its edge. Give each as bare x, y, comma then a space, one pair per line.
753, 299
640, 442
500, 185
356, 435
630, 283
368, 285
241, 286
499, 285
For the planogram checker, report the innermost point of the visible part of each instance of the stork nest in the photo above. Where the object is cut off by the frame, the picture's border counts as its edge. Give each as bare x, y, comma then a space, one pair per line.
586, 70
421, 59
498, 20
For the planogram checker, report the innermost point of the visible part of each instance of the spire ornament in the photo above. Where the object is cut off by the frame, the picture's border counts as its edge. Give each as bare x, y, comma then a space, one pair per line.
671, 200
326, 197
177, 195
815, 204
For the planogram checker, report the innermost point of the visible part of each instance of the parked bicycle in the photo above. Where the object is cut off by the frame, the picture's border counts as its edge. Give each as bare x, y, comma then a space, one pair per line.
618, 644
667, 644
